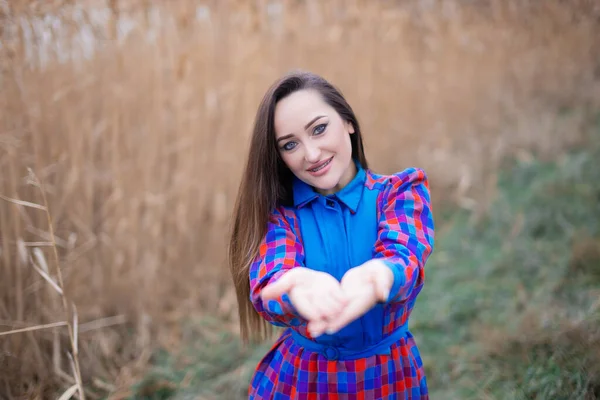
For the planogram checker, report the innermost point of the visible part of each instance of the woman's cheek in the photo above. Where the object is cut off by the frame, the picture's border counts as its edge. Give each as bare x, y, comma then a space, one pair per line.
293, 161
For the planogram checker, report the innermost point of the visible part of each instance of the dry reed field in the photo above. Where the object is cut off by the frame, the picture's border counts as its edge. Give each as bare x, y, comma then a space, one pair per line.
124, 125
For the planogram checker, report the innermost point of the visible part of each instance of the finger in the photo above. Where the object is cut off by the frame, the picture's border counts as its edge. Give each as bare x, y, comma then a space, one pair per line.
277, 289
337, 293
317, 328
382, 285
305, 305
329, 307
353, 310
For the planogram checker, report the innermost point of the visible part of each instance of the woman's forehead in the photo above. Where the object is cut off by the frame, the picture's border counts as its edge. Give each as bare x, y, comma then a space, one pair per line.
294, 111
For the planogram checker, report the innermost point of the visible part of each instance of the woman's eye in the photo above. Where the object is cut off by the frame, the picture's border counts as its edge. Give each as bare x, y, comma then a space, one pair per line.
319, 129
289, 146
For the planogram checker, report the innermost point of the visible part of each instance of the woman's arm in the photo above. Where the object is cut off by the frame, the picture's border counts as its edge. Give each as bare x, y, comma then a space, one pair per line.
279, 252
405, 236
404, 242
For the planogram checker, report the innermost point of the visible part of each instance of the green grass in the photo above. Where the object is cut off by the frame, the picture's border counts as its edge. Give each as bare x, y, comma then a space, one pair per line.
509, 310
214, 365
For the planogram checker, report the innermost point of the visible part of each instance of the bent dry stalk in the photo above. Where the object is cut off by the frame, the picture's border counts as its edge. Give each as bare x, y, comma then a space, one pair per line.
43, 269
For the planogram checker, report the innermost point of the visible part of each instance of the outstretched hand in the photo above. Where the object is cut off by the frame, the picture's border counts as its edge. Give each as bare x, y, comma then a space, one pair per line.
364, 286
317, 296
327, 304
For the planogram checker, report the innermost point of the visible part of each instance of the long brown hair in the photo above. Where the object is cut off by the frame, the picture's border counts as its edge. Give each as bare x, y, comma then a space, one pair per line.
266, 183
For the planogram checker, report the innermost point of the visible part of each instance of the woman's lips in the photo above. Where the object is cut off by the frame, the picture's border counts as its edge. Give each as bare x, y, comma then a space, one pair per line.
321, 168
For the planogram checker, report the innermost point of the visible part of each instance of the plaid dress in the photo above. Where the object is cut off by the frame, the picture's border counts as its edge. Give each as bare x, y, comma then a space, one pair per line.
374, 357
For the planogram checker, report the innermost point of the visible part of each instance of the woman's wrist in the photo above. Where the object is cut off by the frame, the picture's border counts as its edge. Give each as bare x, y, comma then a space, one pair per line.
381, 277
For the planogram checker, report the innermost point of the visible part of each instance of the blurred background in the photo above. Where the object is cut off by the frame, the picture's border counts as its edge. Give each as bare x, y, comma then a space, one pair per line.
124, 126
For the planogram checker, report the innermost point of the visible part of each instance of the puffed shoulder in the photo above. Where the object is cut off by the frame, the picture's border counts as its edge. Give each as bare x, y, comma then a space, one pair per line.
411, 183
410, 176
282, 215
395, 184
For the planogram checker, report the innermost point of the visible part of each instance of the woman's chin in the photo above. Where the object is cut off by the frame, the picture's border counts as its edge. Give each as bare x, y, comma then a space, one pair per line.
324, 185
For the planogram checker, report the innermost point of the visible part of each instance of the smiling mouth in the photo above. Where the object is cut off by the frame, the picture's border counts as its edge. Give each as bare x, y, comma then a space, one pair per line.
320, 167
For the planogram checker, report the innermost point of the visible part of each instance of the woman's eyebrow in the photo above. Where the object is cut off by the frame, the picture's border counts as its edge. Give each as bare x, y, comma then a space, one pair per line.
285, 137
312, 121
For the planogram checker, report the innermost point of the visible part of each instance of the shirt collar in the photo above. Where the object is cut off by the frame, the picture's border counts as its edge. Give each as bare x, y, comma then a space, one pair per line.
350, 195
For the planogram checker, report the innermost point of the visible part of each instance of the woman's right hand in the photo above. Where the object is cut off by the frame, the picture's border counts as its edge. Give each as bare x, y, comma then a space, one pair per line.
317, 296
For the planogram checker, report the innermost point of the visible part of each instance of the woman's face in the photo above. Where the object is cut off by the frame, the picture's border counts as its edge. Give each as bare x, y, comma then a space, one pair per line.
314, 141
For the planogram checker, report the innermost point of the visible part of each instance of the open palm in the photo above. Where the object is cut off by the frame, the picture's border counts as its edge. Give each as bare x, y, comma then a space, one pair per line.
363, 287
317, 296
329, 305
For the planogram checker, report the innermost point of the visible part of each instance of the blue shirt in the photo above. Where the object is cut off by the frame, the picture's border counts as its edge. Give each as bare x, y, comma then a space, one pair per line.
338, 232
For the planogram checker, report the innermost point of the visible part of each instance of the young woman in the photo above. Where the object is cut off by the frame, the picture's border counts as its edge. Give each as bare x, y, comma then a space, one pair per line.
329, 250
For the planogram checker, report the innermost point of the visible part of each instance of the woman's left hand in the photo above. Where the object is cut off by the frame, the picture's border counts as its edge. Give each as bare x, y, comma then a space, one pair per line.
363, 287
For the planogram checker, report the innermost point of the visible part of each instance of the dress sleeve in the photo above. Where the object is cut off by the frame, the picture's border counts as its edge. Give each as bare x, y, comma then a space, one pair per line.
280, 251
405, 236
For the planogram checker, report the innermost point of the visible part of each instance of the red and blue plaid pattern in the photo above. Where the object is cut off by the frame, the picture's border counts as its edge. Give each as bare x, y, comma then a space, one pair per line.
405, 241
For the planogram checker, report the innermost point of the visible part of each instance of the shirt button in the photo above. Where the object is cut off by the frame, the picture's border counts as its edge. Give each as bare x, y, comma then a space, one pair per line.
331, 353
330, 203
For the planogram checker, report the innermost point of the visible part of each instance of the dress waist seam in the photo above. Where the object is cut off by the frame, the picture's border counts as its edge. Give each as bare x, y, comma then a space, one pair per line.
333, 353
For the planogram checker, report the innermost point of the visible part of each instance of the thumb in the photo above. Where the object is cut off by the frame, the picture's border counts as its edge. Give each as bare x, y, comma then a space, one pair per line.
278, 288
382, 282
355, 309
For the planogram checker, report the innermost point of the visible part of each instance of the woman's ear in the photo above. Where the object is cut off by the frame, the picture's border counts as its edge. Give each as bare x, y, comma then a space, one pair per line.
350, 127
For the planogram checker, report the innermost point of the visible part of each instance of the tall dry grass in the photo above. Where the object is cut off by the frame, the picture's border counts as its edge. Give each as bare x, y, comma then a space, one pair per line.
140, 143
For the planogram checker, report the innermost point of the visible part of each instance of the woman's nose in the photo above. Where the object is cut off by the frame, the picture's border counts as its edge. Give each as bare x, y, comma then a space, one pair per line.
312, 154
